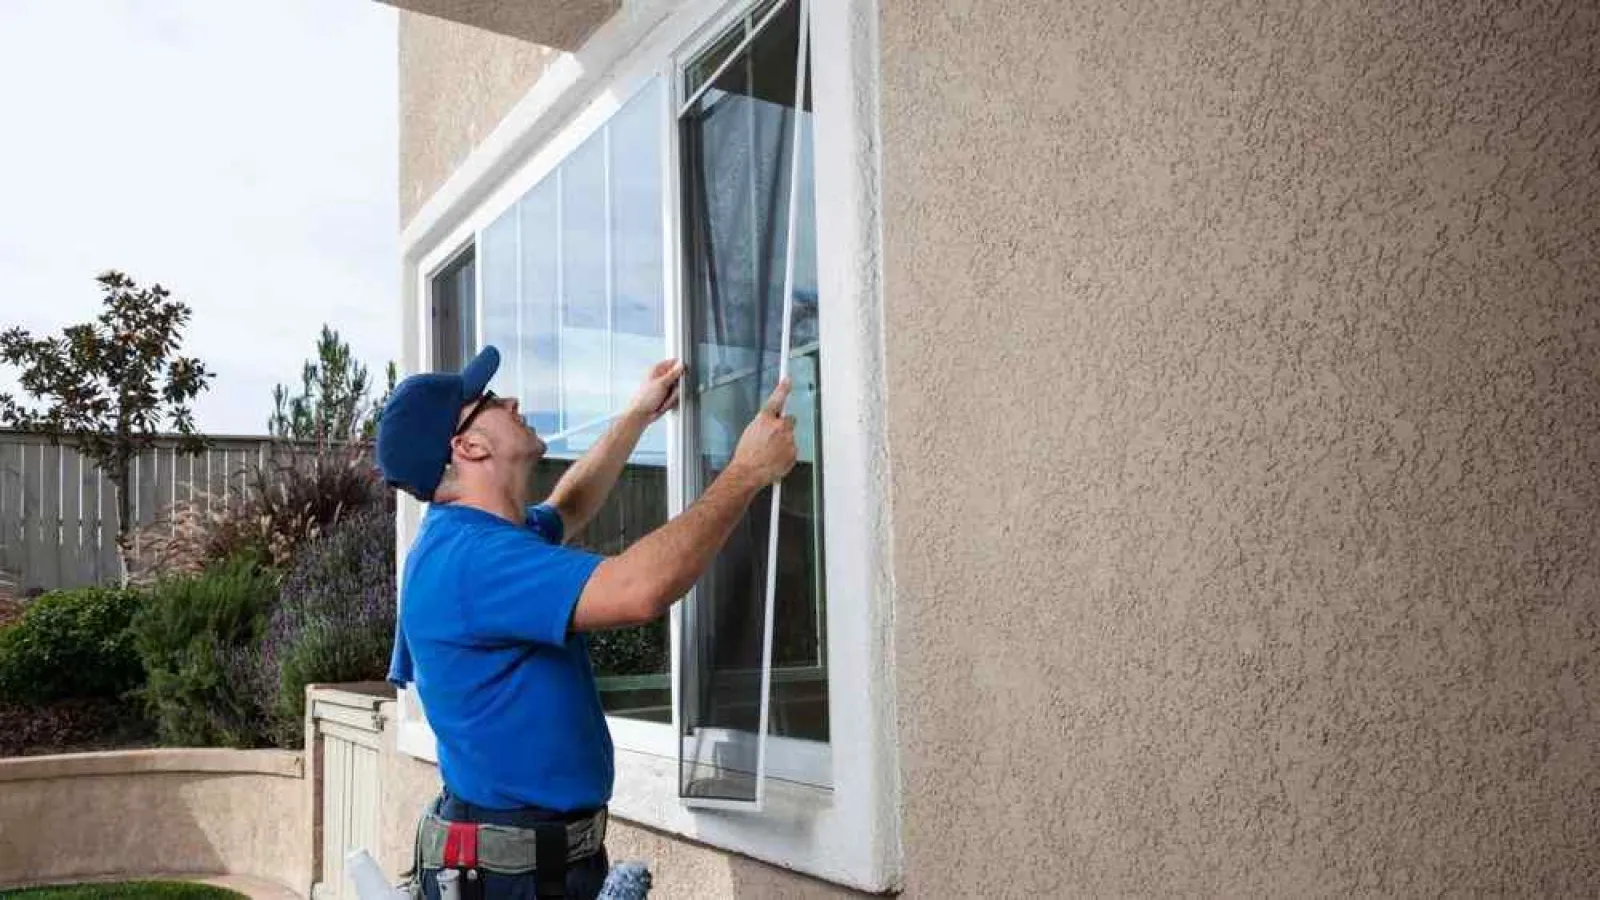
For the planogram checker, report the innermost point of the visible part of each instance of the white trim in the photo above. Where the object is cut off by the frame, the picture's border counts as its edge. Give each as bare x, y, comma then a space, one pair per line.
858, 552
848, 834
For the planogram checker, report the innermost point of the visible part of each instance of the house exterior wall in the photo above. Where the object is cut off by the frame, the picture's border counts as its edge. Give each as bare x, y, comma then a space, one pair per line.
1244, 383
456, 83
563, 24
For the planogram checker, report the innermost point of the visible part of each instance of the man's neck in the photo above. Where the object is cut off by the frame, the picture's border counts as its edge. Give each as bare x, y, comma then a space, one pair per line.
504, 504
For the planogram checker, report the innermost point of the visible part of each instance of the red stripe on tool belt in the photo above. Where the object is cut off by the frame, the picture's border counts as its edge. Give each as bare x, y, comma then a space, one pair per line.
461, 846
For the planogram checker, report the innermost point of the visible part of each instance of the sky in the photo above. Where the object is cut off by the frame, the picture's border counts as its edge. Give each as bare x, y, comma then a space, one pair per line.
242, 153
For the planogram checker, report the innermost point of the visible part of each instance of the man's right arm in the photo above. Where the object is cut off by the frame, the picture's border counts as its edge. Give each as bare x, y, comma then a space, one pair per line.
646, 579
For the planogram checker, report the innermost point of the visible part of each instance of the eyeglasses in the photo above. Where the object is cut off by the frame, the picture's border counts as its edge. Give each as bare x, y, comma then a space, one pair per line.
484, 402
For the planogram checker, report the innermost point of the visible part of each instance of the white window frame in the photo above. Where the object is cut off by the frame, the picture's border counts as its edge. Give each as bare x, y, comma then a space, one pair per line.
847, 833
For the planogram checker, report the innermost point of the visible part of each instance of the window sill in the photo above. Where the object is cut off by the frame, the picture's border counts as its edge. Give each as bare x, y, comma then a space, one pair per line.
801, 827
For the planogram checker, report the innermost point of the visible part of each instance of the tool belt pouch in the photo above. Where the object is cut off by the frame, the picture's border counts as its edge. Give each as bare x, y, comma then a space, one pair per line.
474, 848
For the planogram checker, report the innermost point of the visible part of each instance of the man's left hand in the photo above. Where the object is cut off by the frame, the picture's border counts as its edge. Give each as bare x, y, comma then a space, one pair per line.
658, 395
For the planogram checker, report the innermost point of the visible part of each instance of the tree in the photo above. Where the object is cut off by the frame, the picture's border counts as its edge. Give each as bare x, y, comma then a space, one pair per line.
333, 403
110, 386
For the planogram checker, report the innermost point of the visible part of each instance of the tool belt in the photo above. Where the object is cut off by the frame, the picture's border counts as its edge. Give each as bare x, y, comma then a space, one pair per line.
469, 849
505, 849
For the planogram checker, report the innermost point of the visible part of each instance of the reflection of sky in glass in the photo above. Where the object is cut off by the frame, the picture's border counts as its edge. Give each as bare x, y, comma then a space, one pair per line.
638, 333
652, 448
584, 317
539, 343
497, 261
582, 336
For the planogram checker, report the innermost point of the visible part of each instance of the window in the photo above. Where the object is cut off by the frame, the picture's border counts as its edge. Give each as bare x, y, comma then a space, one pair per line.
657, 194
573, 296
753, 659
454, 298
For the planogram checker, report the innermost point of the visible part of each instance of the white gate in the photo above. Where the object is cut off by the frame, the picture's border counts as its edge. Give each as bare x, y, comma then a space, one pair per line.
348, 730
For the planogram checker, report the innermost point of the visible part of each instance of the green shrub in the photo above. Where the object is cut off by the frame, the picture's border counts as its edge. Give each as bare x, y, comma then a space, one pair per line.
71, 645
193, 635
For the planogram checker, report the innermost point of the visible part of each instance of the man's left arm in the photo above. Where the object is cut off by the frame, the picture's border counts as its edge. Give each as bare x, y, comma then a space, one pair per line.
584, 488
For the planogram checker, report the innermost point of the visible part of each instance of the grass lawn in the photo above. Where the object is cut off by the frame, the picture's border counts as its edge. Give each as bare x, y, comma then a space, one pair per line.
128, 890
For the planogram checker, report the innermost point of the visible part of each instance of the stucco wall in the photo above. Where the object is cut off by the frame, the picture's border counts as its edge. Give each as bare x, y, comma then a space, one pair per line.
150, 812
1244, 378
564, 24
456, 84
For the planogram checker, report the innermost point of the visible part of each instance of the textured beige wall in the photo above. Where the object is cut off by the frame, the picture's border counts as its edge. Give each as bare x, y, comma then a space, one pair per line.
1244, 377
456, 84
551, 23
148, 812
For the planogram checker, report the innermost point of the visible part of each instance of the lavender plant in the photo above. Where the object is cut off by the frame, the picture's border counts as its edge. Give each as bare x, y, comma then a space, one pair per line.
334, 620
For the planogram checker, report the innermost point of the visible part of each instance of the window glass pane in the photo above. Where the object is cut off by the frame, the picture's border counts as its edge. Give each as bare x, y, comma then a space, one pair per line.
631, 666
455, 313
585, 374
696, 73
497, 252
637, 313
804, 326
540, 339
573, 298
736, 144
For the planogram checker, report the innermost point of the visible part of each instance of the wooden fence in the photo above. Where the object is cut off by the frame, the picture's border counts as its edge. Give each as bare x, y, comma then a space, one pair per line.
58, 511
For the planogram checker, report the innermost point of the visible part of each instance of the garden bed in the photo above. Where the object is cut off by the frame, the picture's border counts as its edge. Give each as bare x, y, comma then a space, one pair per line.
72, 726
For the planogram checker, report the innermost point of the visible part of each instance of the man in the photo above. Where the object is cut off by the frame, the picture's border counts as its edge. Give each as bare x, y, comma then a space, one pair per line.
494, 609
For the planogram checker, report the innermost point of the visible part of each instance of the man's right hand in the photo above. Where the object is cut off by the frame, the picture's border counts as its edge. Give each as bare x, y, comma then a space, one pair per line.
766, 451
650, 576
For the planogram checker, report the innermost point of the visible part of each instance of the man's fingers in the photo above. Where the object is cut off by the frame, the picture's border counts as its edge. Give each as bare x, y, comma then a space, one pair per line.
780, 396
671, 402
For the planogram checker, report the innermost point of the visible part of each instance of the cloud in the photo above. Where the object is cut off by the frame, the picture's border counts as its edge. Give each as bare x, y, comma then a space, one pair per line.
241, 153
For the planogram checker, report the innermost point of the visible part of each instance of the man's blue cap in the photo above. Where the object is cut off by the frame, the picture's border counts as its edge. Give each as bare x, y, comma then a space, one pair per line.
419, 421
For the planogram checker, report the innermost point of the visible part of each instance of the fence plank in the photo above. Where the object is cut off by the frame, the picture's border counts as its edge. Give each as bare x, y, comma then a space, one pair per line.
215, 481
147, 491
11, 558
110, 553
69, 553
32, 516
89, 568
27, 504
47, 562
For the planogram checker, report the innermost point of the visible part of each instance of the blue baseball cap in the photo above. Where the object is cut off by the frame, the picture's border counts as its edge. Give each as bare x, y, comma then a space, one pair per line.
419, 421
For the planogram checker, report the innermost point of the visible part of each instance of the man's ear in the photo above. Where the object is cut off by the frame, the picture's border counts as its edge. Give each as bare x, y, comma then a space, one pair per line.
470, 445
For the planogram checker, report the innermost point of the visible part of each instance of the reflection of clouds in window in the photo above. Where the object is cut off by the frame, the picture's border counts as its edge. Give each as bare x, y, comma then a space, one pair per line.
586, 316
497, 257
539, 341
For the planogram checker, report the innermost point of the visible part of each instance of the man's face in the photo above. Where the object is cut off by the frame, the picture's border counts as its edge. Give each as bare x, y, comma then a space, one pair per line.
499, 423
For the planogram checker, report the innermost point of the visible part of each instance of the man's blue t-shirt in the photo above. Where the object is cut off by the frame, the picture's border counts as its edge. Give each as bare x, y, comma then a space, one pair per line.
483, 633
